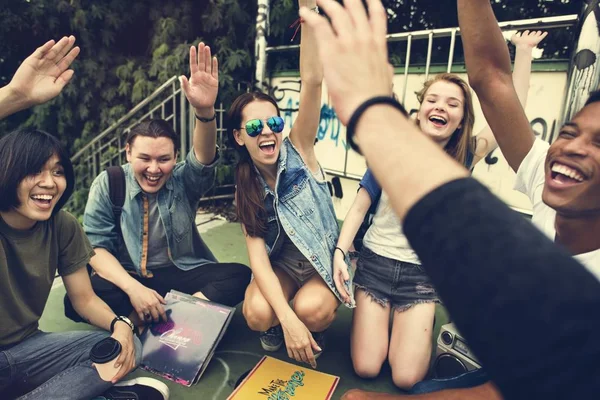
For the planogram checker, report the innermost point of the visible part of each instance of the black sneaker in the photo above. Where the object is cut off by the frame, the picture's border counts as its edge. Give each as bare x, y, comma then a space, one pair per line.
137, 389
272, 339
320, 339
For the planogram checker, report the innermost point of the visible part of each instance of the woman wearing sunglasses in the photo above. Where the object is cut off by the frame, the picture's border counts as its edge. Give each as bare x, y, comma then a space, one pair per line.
285, 207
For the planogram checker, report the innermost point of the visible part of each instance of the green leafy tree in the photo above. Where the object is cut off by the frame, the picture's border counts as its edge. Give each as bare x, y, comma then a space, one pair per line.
128, 50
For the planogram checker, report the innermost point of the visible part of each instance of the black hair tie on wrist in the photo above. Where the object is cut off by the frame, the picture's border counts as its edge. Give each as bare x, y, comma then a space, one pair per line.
360, 111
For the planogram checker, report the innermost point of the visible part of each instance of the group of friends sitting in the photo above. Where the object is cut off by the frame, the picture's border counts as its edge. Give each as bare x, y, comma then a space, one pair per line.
522, 292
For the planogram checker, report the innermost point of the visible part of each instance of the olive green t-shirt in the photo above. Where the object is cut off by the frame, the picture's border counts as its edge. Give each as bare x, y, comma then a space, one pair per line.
28, 263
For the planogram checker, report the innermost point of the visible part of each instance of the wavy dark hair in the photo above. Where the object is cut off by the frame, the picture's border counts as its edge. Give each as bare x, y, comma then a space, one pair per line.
461, 142
249, 190
23, 153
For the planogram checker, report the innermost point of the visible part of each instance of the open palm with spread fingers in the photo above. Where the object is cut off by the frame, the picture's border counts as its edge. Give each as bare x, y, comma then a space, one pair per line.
43, 74
352, 45
203, 86
528, 39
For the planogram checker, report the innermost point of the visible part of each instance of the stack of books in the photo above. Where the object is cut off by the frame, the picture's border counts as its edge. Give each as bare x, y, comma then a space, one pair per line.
180, 348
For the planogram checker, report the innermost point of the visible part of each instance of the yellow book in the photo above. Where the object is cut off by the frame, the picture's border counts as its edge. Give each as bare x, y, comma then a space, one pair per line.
273, 379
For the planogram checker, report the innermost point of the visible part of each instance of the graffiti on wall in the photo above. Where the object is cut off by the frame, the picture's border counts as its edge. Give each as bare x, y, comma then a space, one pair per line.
260, 42
584, 73
330, 126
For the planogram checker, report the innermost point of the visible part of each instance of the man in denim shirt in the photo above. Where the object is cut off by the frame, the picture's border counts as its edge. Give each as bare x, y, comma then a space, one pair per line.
156, 247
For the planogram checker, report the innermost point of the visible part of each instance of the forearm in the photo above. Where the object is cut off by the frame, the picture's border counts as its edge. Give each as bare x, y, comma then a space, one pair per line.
205, 136
485, 140
486, 53
399, 153
311, 68
522, 73
108, 267
94, 310
11, 102
353, 220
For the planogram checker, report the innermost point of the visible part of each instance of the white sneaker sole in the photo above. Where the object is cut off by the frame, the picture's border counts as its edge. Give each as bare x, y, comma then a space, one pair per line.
153, 383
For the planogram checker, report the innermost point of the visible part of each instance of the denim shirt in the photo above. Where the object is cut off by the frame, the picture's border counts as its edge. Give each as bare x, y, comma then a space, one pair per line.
304, 208
177, 204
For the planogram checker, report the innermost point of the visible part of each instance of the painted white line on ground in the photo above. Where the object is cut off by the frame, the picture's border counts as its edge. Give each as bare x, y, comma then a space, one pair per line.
225, 380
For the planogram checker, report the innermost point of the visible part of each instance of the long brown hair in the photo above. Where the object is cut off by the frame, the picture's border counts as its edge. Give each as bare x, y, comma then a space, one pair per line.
249, 190
461, 142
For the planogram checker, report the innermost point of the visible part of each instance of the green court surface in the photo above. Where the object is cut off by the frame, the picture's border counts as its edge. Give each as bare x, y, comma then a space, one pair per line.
240, 348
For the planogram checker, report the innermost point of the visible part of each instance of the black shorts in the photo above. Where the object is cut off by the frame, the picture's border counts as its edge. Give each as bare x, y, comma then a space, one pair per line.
391, 282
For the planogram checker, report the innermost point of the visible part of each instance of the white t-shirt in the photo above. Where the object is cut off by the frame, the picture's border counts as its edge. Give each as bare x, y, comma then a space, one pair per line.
385, 237
530, 181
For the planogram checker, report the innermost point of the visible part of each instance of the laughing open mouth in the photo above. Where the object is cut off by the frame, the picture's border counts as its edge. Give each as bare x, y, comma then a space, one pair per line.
268, 146
42, 199
438, 121
152, 178
564, 174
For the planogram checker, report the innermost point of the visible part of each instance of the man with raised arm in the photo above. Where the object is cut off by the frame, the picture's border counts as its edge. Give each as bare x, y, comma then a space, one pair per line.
154, 245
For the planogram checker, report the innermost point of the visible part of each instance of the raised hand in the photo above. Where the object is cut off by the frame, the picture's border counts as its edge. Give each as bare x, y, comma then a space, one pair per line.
528, 39
43, 74
202, 87
352, 45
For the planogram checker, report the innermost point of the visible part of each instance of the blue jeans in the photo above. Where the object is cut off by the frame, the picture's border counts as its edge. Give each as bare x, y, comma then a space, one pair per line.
467, 380
54, 366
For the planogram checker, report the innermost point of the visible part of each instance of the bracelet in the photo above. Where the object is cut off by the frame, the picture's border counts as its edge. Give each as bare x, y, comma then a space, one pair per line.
337, 248
361, 109
296, 24
122, 319
202, 119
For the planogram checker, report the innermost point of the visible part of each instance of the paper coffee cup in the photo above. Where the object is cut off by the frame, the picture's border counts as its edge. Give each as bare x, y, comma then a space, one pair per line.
104, 355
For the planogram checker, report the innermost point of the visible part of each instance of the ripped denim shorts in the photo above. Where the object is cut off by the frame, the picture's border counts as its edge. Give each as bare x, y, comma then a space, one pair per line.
391, 282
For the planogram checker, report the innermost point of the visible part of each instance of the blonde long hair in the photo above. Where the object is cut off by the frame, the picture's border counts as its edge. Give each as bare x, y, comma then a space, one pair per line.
461, 142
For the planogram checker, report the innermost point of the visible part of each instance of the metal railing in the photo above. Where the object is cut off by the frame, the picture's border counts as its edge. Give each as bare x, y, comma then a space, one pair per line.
431, 34
168, 102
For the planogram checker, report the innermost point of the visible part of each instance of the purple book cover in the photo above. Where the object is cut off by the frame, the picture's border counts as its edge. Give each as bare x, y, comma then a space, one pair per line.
181, 348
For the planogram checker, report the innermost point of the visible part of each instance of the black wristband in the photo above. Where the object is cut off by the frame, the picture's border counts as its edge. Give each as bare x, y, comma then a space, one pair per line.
122, 319
202, 119
361, 109
337, 248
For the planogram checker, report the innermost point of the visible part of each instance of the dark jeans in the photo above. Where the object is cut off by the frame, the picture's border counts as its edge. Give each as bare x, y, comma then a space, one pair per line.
467, 380
54, 366
223, 283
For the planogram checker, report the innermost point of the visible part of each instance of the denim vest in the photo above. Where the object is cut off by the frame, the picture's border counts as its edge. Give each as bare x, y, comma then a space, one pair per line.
304, 208
177, 204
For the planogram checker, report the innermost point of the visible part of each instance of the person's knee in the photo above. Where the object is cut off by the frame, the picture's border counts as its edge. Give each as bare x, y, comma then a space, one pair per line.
242, 280
406, 378
313, 314
258, 314
367, 368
